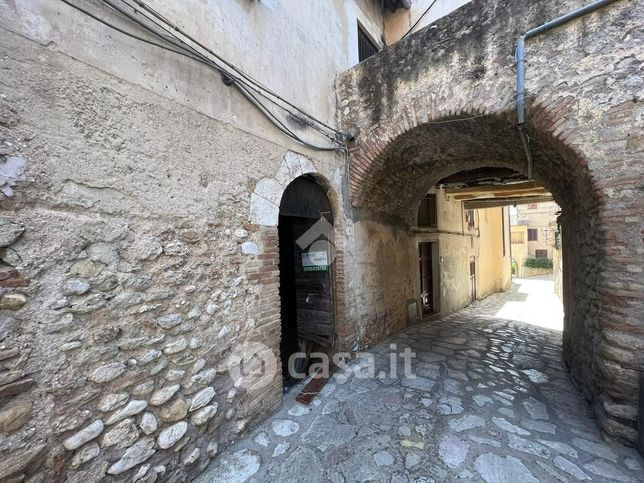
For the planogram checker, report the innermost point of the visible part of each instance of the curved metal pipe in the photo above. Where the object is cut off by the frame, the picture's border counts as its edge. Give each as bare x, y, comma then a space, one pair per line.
520, 60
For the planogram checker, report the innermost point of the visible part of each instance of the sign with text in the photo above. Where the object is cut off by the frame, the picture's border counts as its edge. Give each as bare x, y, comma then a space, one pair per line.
315, 261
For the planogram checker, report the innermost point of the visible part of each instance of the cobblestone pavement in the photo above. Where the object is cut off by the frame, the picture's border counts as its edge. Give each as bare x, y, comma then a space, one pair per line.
491, 402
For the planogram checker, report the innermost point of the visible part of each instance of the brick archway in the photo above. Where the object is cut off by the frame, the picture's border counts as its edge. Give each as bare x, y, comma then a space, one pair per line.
442, 101
388, 180
264, 215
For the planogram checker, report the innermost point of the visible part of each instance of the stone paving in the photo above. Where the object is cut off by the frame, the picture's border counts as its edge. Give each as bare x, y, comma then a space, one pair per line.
491, 401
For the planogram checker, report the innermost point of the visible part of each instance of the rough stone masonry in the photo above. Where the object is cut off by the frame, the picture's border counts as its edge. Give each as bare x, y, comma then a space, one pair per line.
443, 101
123, 299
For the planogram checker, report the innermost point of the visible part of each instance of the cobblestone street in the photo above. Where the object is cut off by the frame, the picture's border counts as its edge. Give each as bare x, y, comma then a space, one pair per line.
491, 402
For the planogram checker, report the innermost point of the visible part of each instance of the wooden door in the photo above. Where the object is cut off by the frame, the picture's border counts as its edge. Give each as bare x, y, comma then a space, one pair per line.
426, 277
313, 287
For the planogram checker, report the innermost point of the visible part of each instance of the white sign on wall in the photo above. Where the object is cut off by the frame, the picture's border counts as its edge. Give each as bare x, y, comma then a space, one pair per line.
315, 261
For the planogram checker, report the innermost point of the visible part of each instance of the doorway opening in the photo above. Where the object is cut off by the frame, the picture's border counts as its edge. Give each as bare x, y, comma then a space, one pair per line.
305, 232
473, 279
428, 271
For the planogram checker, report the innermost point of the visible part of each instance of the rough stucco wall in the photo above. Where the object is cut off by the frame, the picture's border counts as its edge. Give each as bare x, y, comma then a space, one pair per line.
520, 250
456, 289
379, 307
543, 218
584, 88
557, 272
130, 278
400, 21
278, 35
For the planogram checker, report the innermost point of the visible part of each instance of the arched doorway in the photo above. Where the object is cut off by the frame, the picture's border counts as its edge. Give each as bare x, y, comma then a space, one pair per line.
411, 162
306, 275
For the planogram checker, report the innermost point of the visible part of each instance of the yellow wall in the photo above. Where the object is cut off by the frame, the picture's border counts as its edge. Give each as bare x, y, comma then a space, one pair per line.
494, 271
519, 246
459, 244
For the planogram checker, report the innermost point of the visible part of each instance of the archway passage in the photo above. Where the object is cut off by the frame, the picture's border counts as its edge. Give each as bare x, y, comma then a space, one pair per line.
306, 275
443, 100
386, 197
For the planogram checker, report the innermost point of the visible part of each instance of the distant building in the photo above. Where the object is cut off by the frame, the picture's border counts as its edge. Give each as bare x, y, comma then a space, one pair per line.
463, 254
533, 234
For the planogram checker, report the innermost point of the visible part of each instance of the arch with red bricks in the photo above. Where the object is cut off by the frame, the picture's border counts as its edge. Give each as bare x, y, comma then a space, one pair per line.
446, 94
394, 164
264, 215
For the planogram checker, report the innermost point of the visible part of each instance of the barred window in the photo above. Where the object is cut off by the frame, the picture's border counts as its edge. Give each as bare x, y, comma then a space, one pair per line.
366, 48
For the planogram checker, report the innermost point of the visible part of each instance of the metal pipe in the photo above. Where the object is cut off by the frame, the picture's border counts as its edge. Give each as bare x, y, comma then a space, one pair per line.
520, 60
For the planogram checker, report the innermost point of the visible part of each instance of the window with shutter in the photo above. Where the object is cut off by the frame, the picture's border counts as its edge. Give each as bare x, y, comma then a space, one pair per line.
427, 217
366, 47
533, 234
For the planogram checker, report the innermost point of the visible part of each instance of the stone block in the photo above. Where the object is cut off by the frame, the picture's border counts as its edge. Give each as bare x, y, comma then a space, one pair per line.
84, 435
14, 415
10, 231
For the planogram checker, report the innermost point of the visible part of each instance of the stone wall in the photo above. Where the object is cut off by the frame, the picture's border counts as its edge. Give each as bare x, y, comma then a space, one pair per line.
442, 101
534, 272
132, 279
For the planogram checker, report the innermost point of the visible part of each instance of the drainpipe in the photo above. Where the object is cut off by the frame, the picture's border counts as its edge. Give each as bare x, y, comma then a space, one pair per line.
520, 60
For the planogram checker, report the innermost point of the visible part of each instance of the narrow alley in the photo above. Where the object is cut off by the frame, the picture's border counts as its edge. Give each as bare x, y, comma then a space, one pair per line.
205, 203
491, 401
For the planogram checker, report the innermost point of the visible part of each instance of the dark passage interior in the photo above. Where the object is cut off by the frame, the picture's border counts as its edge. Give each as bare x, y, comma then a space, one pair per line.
306, 289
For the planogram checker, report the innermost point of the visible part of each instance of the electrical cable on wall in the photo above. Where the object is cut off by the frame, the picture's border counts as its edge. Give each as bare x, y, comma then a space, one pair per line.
419, 19
242, 84
171, 39
231, 79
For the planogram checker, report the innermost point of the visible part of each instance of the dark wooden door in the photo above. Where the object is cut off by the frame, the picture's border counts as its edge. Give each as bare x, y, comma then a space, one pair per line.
426, 277
313, 287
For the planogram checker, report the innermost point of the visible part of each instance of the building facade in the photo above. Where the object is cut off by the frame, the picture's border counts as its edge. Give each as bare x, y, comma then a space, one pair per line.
155, 187
534, 235
467, 251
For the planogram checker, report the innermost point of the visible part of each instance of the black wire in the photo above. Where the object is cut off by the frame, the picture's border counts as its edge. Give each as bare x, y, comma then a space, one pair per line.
228, 75
118, 29
243, 87
271, 117
230, 65
189, 52
419, 19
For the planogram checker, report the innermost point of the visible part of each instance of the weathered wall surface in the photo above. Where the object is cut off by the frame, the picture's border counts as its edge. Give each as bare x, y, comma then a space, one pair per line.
131, 275
442, 101
557, 271
399, 22
543, 217
519, 237
265, 39
387, 273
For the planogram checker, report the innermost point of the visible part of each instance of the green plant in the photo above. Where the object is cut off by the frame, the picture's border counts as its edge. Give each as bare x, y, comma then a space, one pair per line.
539, 262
